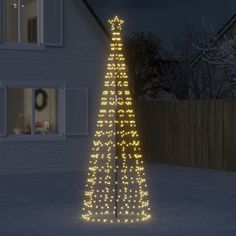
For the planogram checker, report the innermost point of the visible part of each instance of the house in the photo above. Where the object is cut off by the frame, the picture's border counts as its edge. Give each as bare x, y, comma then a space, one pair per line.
210, 81
52, 63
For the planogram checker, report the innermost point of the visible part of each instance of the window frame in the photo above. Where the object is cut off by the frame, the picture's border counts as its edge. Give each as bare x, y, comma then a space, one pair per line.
20, 27
3, 87
61, 112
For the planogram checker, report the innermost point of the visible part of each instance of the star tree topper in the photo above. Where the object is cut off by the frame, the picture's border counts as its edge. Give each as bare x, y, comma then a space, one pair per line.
116, 23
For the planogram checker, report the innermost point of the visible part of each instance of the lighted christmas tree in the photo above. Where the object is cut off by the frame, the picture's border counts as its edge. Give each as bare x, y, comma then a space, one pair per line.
116, 189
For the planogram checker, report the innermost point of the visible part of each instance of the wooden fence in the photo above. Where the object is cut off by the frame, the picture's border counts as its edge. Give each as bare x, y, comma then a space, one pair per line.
190, 133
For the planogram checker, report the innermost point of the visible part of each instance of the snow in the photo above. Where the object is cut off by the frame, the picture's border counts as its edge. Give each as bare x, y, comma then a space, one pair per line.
184, 201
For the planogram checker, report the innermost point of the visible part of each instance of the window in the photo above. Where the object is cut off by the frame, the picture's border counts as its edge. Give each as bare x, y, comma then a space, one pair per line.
33, 111
19, 111
46, 111
21, 21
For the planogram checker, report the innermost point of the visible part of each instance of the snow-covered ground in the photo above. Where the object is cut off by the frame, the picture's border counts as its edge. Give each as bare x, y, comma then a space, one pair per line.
185, 202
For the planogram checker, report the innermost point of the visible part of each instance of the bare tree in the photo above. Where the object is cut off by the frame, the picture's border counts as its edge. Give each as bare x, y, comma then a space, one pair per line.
197, 66
185, 80
221, 56
143, 51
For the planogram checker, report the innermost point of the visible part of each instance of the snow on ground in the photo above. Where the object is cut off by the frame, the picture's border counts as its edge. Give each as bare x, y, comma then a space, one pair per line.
185, 202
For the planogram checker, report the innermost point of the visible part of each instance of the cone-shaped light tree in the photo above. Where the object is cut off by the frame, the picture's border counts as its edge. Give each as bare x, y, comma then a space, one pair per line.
116, 189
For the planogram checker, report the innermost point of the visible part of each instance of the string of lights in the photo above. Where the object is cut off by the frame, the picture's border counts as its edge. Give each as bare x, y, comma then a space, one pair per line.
116, 188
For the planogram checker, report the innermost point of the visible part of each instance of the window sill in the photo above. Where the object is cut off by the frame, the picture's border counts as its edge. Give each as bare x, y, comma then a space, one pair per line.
17, 46
23, 138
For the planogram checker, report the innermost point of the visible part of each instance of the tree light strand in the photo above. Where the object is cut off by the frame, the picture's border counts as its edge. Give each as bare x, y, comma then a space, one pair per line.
116, 188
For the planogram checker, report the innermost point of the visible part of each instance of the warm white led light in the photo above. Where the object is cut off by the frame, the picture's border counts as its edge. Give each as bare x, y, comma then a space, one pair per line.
116, 189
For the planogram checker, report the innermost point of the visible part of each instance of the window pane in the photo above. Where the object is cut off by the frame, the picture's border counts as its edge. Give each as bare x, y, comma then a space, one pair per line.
30, 21
46, 111
11, 19
19, 111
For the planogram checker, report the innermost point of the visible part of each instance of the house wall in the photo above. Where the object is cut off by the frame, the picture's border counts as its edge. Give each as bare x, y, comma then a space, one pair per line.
80, 63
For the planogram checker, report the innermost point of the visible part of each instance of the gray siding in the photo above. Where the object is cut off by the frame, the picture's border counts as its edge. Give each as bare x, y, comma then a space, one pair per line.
77, 111
80, 63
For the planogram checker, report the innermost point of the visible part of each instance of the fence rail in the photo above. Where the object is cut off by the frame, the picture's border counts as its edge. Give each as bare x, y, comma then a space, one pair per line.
190, 133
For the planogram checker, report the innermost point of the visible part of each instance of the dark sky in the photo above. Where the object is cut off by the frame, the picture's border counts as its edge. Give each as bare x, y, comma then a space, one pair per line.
166, 17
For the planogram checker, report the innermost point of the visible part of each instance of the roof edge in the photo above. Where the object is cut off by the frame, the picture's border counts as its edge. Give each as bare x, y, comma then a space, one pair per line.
226, 26
96, 17
219, 34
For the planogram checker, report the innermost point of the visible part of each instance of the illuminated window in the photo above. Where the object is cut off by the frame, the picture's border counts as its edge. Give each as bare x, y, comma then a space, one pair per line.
33, 111
19, 111
46, 111
21, 21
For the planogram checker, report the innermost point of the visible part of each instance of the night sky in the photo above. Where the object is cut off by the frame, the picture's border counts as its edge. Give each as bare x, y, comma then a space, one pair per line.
166, 17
